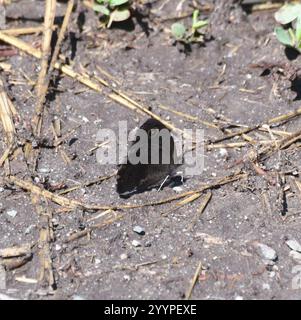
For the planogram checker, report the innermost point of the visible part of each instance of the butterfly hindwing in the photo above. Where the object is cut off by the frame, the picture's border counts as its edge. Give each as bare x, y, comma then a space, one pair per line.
134, 178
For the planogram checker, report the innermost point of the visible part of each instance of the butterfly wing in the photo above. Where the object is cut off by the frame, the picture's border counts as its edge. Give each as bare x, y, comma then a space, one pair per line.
140, 177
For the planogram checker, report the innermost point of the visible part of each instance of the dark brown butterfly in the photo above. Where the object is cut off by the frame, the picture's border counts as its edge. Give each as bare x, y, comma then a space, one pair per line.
136, 178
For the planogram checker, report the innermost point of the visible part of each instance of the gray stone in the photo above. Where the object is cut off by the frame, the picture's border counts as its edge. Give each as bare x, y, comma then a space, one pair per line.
268, 263
12, 213
265, 251
123, 256
266, 286
139, 230
294, 245
136, 243
29, 229
296, 281
296, 256
177, 189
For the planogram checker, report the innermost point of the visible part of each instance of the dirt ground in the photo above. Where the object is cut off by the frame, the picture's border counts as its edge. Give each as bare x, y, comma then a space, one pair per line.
241, 76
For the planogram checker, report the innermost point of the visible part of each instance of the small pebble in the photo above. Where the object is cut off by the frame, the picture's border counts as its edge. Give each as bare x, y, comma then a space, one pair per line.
58, 247
223, 153
265, 251
1, 189
136, 243
55, 222
266, 286
296, 281
29, 229
127, 277
268, 263
123, 256
12, 213
177, 189
294, 245
139, 230
296, 256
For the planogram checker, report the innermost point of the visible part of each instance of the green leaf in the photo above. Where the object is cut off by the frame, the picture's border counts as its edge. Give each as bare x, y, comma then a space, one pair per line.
119, 15
292, 36
178, 30
288, 13
298, 30
100, 8
195, 17
283, 36
105, 2
115, 3
200, 24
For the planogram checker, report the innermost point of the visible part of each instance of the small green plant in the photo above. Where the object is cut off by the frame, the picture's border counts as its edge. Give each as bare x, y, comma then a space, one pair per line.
191, 35
291, 37
113, 10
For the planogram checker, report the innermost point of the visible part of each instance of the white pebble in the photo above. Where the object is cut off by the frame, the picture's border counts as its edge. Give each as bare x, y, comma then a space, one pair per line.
12, 213
266, 286
296, 281
29, 229
266, 251
139, 230
294, 245
136, 243
296, 256
123, 256
177, 189
223, 153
